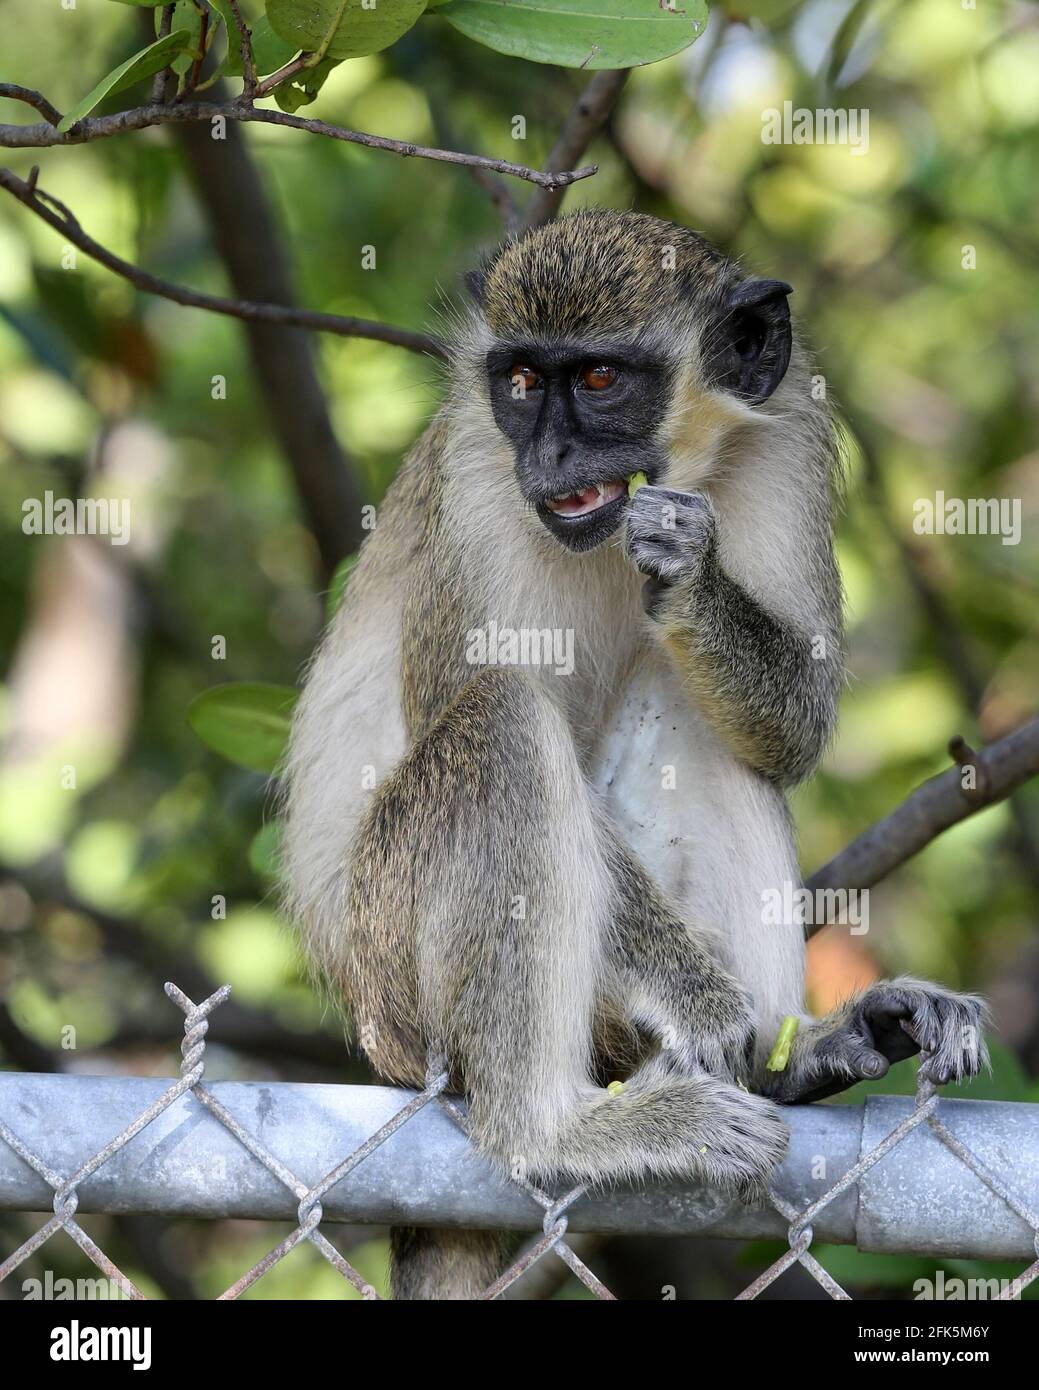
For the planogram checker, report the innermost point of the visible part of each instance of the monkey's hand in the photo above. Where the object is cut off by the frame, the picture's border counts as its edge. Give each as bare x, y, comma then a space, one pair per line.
891, 1021
767, 686
670, 537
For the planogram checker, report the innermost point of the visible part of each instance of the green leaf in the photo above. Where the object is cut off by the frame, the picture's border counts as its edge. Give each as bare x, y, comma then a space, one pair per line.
354, 30
263, 850
303, 88
247, 722
143, 4
340, 578
186, 15
143, 64
599, 34
269, 51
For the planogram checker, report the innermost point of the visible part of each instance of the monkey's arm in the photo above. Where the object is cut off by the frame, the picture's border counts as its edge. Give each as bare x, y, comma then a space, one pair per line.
891, 1021
770, 690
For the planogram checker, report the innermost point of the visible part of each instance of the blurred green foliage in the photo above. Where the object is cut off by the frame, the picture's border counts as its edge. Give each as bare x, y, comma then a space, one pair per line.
934, 366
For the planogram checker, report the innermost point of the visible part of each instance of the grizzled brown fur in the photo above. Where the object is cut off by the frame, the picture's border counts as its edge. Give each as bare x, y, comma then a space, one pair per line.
596, 274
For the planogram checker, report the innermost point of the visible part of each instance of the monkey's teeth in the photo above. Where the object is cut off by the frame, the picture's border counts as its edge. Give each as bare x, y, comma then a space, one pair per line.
589, 499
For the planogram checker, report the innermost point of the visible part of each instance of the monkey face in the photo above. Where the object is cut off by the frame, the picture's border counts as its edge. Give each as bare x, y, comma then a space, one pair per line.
594, 319
581, 421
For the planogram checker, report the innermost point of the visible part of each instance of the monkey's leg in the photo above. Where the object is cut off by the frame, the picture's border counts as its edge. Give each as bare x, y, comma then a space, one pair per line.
503, 863
671, 984
892, 1020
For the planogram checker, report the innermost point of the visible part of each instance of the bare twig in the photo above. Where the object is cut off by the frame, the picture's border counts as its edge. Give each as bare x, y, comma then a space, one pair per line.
58, 216
161, 80
1000, 769
44, 135
303, 63
35, 99
200, 57
591, 112
501, 199
496, 188
966, 759
245, 44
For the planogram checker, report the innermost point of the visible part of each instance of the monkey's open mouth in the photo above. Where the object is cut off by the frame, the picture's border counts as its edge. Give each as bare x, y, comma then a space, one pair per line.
583, 519
589, 499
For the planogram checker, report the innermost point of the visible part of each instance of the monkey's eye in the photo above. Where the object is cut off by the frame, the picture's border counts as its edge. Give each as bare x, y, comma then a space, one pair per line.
524, 377
598, 378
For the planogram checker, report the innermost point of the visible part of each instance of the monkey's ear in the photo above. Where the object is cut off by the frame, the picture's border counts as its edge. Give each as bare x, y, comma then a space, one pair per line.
754, 351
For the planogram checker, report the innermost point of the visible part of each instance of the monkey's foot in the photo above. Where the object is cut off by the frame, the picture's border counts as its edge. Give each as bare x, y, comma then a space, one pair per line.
745, 1141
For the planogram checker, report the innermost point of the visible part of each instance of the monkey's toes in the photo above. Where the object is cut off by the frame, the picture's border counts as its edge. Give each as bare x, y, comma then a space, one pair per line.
746, 1141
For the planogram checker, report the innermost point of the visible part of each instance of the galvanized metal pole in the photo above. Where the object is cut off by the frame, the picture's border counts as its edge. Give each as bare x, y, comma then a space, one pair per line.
919, 1198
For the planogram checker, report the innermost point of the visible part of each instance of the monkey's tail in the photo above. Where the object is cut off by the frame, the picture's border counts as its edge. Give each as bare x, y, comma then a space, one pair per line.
444, 1263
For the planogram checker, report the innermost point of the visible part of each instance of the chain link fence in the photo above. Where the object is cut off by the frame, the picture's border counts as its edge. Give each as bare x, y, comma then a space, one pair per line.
1017, 1145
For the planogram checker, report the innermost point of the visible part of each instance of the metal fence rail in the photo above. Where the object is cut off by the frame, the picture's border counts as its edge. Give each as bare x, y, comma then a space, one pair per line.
952, 1178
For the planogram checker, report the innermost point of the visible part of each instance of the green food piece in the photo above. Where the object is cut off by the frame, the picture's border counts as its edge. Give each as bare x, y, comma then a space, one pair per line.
615, 1088
780, 1054
636, 481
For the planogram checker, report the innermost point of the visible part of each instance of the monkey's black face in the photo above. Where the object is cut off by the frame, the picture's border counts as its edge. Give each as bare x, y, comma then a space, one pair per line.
581, 421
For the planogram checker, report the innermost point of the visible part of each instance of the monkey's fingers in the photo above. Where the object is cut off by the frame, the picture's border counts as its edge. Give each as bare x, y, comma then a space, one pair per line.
861, 1059
657, 560
829, 1065
905, 1017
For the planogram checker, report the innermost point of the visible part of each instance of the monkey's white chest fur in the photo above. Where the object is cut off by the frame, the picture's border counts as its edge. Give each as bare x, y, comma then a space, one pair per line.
713, 834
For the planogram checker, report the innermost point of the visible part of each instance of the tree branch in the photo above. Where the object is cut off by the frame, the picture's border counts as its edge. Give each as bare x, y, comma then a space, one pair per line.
496, 188
45, 135
245, 45
161, 80
590, 113
35, 99
196, 67
303, 63
934, 806
58, 216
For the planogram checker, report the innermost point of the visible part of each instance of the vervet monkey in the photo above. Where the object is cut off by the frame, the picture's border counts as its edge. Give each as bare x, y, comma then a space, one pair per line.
557, 877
